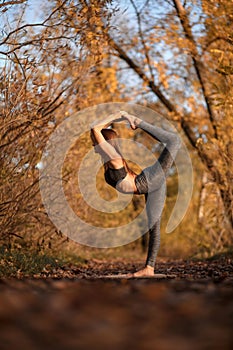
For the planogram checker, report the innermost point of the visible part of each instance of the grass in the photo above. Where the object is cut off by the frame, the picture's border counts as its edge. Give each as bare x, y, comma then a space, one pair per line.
22, 260
18, 262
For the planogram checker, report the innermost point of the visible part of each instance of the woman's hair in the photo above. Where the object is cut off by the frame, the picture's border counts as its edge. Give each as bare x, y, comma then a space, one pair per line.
111, 136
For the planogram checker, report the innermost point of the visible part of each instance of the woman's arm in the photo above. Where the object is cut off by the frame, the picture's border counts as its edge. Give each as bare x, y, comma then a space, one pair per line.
115, 117
159, 134
111, 155
97, 127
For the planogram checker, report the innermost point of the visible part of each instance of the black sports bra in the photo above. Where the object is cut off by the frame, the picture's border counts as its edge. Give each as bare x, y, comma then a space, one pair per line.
112, 176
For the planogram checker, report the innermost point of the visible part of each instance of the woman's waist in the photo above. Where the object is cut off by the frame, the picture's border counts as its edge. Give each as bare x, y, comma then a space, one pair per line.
133, 183
141, 183
127, 185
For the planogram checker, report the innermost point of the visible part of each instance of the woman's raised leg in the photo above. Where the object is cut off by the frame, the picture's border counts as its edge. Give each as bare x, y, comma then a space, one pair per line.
157, 173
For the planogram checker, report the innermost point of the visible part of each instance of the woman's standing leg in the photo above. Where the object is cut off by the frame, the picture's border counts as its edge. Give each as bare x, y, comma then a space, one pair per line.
153, 244
154, 207
154, 176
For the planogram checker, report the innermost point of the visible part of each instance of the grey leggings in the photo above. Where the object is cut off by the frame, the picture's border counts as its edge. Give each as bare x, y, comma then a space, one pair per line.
151, 182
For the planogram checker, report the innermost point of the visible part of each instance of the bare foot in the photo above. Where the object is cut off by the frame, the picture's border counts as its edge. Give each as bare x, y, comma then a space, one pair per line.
147, 271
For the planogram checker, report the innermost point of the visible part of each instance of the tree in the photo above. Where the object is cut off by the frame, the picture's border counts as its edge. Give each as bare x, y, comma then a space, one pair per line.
44, 65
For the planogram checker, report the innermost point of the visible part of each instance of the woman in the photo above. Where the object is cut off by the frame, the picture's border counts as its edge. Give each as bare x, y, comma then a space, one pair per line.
150, 182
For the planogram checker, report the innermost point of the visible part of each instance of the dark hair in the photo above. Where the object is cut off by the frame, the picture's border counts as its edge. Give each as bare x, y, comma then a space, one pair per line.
111, 136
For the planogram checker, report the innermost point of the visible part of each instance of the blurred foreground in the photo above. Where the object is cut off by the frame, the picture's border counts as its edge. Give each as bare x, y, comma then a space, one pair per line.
84, 311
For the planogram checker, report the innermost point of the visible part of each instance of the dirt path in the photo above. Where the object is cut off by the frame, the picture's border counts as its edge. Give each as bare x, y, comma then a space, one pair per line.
74, 309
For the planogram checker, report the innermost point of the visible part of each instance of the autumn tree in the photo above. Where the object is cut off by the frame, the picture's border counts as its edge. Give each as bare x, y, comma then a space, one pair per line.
44, 65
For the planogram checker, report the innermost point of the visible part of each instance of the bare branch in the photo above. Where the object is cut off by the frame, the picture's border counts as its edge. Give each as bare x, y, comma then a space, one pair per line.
23, 71
228, 40
51, 108
27, 124
146, 51
54, 11
13, 2
15, 235
144, 5
182, 14
43, 24
31, 42
123, 55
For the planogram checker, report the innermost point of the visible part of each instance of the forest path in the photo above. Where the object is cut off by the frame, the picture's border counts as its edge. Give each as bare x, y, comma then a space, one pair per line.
76, 309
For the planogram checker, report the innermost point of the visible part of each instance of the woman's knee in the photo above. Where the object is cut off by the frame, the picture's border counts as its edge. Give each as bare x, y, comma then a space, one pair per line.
174, 141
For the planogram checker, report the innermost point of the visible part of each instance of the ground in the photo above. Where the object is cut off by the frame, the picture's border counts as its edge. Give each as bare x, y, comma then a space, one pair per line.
78, 308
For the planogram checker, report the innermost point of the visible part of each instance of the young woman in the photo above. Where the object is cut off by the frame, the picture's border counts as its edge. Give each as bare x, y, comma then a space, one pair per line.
150, 182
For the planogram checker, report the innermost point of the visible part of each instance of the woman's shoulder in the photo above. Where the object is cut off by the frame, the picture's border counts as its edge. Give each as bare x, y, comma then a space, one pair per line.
115, 164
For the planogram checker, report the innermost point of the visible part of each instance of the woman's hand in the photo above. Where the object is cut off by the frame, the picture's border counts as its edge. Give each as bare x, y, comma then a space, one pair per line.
117, 117
133, 121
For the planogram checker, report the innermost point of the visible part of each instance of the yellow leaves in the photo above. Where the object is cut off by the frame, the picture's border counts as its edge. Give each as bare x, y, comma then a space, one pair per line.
145, 84
163, 78
174, 27
96, 20
89, 36
199, 142
165, 83
84, 10
216, 51
174, 116
220, 54
103, 85
135, 40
